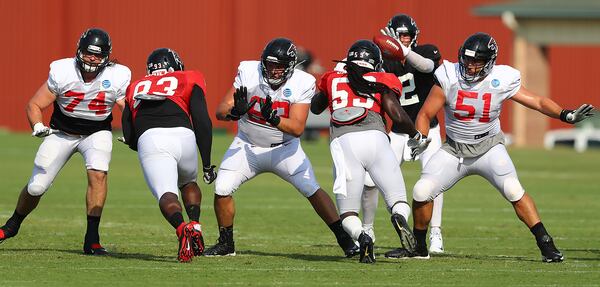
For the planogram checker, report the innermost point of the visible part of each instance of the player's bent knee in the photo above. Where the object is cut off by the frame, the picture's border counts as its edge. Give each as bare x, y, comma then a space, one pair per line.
36, 189
369, 181
513, 191
224, 188
423, 190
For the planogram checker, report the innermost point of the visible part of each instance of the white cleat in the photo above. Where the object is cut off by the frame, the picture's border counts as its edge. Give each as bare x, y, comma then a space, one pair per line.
436, 244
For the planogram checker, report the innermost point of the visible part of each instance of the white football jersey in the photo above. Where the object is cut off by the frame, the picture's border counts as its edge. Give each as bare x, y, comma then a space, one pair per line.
299, 88
473, 110
91, 101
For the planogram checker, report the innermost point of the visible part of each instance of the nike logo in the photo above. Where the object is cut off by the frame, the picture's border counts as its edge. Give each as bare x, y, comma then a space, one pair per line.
435, 51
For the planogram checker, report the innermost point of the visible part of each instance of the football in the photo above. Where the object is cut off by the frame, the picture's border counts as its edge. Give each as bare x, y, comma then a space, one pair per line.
390, 48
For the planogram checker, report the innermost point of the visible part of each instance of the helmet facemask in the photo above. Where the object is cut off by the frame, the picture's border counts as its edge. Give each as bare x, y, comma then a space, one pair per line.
478, 48
93, 42
278, 61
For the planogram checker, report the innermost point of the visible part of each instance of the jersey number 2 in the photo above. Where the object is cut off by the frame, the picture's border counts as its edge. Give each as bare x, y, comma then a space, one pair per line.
470, 109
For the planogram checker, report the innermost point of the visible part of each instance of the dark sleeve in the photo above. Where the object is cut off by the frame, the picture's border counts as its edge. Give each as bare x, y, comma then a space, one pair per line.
128, 129
201, 124
319, 103
394, 110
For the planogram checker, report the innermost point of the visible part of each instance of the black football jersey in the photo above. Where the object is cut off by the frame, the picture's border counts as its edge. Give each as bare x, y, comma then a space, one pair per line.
415, 84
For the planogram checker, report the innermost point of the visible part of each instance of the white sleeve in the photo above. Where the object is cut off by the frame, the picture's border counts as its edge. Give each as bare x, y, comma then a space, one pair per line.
125, 83
308, 94
52, 82
515, 84
239, 78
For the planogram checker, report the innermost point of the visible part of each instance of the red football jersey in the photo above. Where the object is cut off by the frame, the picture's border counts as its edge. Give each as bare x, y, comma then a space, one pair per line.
335, 85
175, 86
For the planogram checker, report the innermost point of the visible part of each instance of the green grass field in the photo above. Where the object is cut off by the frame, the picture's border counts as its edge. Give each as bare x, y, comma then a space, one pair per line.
281, 241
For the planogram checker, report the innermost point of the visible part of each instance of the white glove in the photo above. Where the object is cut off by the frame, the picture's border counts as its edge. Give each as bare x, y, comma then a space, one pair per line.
418, 144
580, 114
40, 130
389, 32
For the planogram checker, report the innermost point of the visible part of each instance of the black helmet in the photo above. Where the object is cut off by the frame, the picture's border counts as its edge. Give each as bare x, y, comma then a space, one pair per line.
93, 41
404, 24
163, 60
365, 54
279, 51
481, 47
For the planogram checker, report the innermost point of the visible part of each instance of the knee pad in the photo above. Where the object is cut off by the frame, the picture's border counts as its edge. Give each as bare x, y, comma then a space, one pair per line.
35, 189
423, 190
512, 189
224, 188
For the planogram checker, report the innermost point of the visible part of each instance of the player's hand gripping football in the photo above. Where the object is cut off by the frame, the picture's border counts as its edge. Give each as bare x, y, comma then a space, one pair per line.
209, 174
266, 109
580, 114
418, 144
240, 103
391, 33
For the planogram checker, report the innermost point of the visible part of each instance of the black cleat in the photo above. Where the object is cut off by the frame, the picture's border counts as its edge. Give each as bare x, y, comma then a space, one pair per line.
366, 249
347, 244
94, 249
549, 252
407, 238
221, 249
403, 253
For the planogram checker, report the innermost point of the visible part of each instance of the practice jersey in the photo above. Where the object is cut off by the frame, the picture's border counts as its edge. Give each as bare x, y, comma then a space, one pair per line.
336, 86
175, 87
252, 127
415, 84
473, 110
85, 108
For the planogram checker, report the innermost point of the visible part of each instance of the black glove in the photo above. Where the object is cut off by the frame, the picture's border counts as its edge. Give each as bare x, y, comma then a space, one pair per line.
209, 174
240, 103
266, 109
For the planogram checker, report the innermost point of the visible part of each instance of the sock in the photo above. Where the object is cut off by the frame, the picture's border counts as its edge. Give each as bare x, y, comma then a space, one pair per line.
193, 212
538, 230
420, 237
91, 234
176, 219
352, 226
226, 234
11, 228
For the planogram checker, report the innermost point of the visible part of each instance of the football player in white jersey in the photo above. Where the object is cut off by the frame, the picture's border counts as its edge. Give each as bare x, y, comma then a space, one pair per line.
270, 100
472, 93
83, 90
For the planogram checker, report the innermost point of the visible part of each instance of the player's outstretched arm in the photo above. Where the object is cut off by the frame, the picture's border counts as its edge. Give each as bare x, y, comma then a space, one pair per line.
296, 122
202, 124
550, 108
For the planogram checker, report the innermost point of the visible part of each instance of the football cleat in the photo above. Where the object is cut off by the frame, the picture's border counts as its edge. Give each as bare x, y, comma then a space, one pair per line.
407, 238
94, 249
436, 244
221, 249
197, 238
186, 252
549, 252
403, 253
347, 244
366, 249
6, 233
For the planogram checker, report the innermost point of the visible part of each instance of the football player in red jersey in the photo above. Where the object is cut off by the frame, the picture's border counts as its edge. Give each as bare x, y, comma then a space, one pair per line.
357, 99
165, 120
83, 91
415, 70
269, 100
